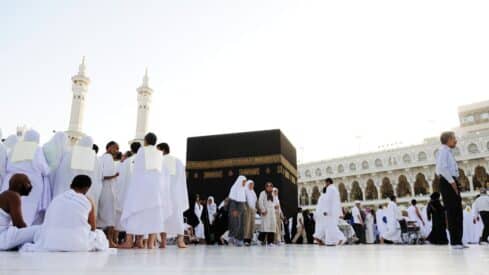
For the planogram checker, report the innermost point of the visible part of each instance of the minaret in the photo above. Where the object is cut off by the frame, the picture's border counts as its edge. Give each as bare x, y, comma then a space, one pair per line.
144, 102
79, 88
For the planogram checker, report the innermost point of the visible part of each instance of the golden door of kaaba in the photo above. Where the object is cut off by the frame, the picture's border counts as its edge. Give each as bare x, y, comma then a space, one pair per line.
214, 163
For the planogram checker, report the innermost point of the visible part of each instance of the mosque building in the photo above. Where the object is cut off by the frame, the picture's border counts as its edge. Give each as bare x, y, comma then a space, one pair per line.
406, 172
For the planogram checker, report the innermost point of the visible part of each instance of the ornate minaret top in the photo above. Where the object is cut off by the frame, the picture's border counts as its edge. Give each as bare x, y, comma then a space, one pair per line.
144, 103
79, 88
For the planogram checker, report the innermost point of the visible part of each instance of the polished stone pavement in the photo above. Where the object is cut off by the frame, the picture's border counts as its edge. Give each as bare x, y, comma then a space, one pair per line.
287, 259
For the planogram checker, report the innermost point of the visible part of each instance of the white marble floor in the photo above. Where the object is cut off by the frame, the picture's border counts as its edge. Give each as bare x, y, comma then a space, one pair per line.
373, 259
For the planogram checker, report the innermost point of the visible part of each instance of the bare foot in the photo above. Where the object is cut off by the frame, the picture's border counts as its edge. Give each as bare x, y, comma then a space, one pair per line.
139, 244
112, 244
151, 241
181, 243
341, 242
318, 241
163, 243
126, 245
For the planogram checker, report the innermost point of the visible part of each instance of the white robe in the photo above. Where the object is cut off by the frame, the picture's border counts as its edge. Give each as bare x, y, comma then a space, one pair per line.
199, 229
369, 229
393, 229
54, 150
468, 227
175, 224
268, 221
66, 227
34, 205
381, 225
123, 180
65, 173
327, 229
11, 236
106, 206
147, 204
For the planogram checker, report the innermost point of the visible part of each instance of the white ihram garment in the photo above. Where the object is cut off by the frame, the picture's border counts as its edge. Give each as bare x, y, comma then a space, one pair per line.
147, 203
327, 226
66, 227
174, 224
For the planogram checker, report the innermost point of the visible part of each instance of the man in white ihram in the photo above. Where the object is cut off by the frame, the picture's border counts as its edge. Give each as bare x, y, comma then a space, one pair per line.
69, 224
147, 203
179, 196
328, 212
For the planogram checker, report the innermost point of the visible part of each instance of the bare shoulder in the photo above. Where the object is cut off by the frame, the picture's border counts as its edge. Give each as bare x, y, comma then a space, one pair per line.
11, 196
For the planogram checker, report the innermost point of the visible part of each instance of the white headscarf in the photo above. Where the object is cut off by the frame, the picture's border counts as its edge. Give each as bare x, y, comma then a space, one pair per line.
32, 136
237, 192
276, 200
211, 209
54, 149
250, 194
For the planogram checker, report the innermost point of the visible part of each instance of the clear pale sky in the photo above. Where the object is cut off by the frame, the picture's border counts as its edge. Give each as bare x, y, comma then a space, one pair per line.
338, 77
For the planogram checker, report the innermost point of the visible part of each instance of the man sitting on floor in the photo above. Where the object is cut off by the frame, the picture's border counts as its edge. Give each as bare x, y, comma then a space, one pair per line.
69, 224
13, 230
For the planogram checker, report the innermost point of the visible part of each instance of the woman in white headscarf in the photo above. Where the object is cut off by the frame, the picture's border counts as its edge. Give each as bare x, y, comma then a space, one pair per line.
53, 151
211, 209
237, 201
279, 216
250, 213
28, 158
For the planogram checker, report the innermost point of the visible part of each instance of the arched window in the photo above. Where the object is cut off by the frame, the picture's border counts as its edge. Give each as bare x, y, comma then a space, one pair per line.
403, 189
378, 163
343, 192
473, 149
421, 186
406, 158
353, 167
356, 192
315, 195
329, 170
371, 192
365, 165
422, 156
318, 172
341, 169
386, 189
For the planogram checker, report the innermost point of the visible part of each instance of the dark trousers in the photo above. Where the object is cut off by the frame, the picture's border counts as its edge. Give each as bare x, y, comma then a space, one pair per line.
360, 232
485, 220
453, 205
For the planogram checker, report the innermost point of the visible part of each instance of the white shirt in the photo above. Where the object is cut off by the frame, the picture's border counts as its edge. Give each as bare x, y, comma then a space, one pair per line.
481, 204
357, 218
446, 165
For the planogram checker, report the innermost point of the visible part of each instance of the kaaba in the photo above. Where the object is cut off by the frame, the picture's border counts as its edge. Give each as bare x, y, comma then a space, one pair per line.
214, 162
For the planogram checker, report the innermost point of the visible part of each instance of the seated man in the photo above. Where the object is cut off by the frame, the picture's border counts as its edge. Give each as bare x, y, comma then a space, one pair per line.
13, 230
69, 224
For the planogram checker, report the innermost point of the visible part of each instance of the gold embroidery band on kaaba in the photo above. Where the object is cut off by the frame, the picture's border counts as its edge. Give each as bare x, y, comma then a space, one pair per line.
238, 162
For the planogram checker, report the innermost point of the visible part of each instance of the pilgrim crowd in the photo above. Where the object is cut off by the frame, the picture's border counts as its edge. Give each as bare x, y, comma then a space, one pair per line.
58, 197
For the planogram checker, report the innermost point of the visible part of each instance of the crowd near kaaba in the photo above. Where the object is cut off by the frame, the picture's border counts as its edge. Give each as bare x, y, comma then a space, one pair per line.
62, 197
